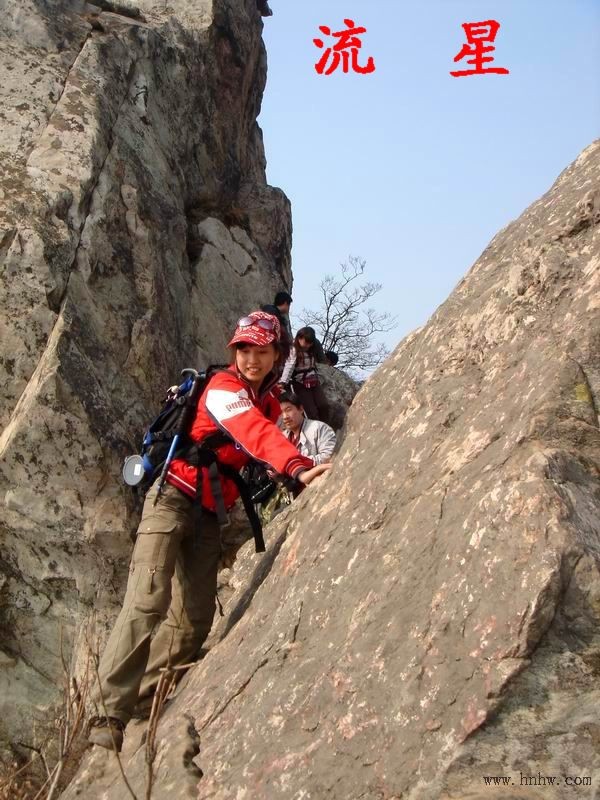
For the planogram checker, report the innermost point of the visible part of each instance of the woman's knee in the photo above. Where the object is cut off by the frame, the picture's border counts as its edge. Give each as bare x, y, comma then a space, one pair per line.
152, 594
153, 562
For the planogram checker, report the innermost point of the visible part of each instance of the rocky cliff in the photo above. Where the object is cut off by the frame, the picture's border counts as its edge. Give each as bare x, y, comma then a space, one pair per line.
136, 227
428, 614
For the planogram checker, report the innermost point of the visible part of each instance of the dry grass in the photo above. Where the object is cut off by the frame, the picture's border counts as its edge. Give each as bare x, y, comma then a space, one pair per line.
95, 661
57, 746
60, 742
16, 785
165, 685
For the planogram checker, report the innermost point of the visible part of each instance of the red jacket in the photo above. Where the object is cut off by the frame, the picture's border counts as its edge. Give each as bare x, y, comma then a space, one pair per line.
230, 404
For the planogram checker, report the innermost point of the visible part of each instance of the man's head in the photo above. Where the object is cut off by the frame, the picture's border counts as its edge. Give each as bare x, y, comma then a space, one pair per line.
283, 301
292, 412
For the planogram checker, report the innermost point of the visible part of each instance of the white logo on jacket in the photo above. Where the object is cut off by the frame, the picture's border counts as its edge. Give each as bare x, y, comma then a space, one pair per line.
224, 405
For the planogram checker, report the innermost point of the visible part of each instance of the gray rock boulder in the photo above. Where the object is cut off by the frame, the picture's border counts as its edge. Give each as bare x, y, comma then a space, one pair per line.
136, 227
428, 613
340, 390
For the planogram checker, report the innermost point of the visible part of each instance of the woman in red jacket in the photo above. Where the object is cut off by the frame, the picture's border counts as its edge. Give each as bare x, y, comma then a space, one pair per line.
173, 573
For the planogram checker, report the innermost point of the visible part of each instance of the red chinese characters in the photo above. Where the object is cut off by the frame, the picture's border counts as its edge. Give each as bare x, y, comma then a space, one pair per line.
344, 51
478, 34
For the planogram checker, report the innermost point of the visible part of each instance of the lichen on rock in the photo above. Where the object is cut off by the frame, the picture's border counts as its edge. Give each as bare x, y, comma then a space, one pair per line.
427, 613
137, 226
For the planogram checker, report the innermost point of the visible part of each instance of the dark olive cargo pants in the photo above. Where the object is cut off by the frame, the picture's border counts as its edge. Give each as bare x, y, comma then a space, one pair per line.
171, 588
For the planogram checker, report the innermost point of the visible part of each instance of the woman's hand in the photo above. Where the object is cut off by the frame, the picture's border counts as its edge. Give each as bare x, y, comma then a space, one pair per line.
310, 474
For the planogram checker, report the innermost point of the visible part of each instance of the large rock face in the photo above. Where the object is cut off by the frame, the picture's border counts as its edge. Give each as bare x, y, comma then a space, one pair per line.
136, 227
428, 614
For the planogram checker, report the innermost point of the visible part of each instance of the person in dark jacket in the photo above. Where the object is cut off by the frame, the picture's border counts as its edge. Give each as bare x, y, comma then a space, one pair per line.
173, 574
286, 340
282, 302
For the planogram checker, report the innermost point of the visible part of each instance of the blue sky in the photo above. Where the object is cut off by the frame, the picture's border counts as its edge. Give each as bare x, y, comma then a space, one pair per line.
410, 168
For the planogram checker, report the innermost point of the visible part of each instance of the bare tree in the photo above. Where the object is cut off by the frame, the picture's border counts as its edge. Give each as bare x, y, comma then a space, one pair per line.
344, 325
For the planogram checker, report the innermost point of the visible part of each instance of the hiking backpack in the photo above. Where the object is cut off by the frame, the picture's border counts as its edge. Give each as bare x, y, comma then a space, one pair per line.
168, 437
174, 419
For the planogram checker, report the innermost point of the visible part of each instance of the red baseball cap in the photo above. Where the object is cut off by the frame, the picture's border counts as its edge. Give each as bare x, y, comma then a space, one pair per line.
258, 328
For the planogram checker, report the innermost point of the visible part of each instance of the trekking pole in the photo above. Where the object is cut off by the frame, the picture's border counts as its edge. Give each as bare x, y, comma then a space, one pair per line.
185, 421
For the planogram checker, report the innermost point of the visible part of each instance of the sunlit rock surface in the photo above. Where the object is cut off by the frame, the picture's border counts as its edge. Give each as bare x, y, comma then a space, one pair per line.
428, 613
136, 226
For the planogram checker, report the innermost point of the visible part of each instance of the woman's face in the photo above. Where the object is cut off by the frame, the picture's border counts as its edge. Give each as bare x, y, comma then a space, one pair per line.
302, 343
255, 362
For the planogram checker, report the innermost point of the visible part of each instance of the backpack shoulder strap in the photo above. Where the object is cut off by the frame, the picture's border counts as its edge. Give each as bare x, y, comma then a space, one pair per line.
253, 518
